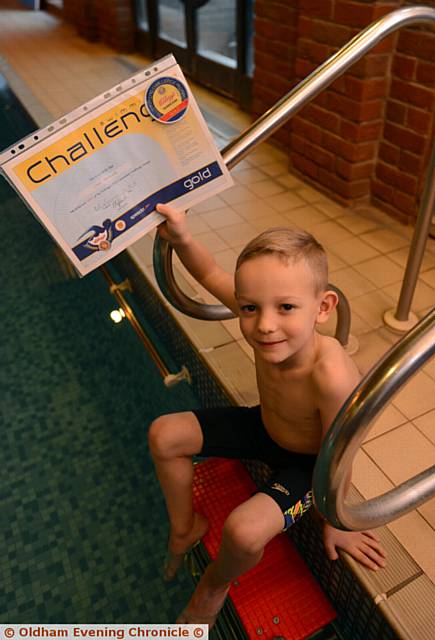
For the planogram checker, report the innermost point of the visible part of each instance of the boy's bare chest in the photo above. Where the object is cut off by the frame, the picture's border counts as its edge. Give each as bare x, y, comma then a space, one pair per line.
290, 413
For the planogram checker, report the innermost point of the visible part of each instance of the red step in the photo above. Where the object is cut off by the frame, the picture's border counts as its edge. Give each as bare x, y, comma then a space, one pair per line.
279, 596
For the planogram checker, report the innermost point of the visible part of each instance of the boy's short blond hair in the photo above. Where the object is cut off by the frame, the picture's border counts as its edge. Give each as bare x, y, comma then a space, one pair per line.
290, 245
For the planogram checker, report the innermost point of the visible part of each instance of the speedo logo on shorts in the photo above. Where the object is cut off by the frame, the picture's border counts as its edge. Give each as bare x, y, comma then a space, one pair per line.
280, 488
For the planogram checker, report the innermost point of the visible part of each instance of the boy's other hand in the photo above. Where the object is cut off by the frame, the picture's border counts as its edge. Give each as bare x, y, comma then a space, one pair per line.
364, 546
174, 229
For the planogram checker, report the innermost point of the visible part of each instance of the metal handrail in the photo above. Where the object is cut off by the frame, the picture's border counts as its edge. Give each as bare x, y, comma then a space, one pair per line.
353, 422
267, 124
418, 244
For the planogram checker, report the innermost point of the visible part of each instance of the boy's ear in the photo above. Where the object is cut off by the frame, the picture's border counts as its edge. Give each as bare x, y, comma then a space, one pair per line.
328, 302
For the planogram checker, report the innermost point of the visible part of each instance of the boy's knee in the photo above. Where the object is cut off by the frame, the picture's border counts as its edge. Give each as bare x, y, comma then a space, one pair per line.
242, 534
173, 435
161, 436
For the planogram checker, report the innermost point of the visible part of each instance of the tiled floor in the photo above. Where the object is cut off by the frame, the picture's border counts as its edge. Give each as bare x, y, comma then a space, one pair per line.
52, 70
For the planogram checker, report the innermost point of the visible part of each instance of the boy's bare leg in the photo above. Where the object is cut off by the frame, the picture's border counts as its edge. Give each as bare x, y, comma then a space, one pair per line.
173, 440
246, 532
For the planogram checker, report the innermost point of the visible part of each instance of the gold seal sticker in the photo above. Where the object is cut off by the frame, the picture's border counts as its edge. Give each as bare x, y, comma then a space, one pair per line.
167, 100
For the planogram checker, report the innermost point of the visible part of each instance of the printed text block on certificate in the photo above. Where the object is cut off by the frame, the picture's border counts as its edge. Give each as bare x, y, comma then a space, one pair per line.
94, 177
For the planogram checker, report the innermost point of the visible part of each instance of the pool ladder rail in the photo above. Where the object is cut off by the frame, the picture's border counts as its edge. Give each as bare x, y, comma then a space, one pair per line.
117, 290
350, 427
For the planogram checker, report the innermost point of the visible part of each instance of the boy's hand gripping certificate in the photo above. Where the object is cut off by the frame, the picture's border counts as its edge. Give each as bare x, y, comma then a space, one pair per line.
94, 177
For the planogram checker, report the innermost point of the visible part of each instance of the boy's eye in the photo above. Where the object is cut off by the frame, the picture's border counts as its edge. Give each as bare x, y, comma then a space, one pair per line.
248, 308
287, 306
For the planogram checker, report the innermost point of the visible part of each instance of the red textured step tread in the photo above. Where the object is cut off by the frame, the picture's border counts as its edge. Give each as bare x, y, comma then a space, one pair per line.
281, 586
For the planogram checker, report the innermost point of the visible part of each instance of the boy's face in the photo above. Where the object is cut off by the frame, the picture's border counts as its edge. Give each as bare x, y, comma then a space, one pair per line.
279, 307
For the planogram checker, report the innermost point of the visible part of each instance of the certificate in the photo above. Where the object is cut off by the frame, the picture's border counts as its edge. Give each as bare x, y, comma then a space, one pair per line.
94, 177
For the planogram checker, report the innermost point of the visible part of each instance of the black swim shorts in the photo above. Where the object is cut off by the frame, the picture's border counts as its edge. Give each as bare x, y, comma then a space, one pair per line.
238, 432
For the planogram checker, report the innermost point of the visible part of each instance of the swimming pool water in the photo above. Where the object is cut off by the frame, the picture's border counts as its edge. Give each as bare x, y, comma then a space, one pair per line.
83, 524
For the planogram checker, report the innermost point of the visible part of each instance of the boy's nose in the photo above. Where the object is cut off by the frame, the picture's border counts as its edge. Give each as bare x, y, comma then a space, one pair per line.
266, 324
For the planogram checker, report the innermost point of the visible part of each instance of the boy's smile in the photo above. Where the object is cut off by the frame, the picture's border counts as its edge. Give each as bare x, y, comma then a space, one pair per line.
278, 305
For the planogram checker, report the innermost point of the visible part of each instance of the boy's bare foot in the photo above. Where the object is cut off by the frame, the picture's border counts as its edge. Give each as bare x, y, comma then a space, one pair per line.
180, 545
205, 604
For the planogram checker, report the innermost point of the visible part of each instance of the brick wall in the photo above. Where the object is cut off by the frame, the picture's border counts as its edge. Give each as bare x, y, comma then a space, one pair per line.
360, 137
111, 21
334, 139
116, 23
275, 52
408, 135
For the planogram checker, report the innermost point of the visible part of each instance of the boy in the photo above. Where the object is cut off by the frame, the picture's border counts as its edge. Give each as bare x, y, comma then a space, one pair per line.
280, 295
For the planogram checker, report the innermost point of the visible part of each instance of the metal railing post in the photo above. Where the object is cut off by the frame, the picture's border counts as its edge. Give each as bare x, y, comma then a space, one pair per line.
404, 319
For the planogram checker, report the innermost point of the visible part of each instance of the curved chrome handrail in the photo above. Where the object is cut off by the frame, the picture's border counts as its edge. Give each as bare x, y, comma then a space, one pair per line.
267, 124
321, 78
351, 425
163, 269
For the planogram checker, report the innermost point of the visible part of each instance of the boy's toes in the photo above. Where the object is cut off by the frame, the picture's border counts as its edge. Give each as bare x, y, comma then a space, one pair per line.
179, 547
173, 563
205, 604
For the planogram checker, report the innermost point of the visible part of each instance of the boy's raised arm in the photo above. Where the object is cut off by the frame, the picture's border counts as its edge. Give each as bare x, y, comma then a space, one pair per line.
196, 257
